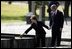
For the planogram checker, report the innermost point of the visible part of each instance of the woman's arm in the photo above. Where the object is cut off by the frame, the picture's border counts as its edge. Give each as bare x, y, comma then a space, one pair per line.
28, 29
44, 25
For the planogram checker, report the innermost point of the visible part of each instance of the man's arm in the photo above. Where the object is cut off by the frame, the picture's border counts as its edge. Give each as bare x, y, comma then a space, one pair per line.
62, 20
50, 23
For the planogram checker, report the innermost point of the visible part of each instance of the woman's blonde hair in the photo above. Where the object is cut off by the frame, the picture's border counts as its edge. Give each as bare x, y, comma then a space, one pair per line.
33, 17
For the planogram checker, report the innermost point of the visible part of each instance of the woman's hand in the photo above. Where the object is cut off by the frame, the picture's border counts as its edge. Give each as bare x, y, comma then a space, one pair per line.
22, 35
50, 27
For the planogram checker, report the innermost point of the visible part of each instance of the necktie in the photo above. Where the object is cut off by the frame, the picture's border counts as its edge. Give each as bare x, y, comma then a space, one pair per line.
54, 14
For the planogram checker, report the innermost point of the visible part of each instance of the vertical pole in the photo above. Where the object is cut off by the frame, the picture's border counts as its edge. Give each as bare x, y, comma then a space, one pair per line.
29, 3
42, 13
33, 7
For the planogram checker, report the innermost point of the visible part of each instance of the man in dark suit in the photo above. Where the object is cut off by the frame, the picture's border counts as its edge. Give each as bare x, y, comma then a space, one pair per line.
40, 32
56, 23
49, 5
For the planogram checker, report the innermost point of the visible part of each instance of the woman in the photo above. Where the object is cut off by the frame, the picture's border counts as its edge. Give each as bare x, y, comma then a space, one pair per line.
40, 32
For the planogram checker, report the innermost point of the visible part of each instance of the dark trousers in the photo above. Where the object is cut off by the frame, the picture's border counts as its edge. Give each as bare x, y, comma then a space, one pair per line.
56, 35
39, 38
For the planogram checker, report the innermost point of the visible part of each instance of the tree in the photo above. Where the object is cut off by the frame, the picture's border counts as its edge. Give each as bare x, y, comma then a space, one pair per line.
43, 11
38, 4
29, 4
9, 2
66, 8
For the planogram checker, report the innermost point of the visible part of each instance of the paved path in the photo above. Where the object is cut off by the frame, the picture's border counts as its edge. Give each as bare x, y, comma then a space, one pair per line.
20, 27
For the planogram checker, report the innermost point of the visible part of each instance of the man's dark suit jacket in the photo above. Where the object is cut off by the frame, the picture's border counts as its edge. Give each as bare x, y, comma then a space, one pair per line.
38, 28
57, 20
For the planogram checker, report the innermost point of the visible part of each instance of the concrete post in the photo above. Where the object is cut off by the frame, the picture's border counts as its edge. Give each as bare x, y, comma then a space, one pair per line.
33, 7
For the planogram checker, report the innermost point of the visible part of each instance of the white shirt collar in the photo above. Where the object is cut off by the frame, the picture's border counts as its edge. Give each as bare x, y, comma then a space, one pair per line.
54, 12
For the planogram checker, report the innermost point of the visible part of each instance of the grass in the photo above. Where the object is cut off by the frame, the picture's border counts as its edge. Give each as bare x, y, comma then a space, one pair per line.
23, 18
18, 12
13, 10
